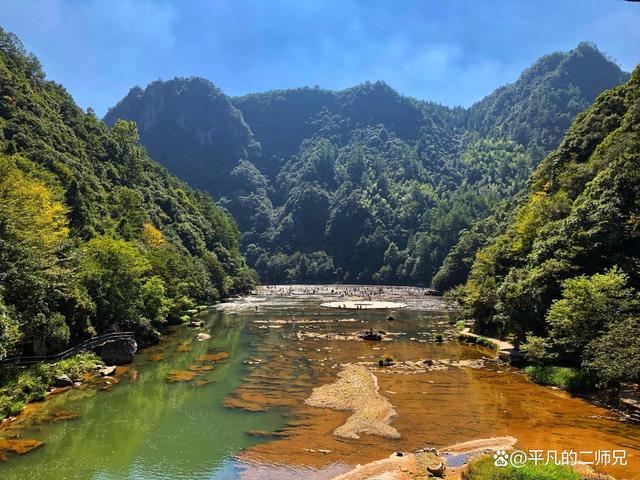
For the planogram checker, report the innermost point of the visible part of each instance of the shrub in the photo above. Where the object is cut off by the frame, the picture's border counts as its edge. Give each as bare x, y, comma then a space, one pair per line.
485, 469
571, 379
32, 383
537, 350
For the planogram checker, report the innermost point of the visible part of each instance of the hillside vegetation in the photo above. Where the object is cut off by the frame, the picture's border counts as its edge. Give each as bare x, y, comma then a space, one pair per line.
93, 234
563, 275
364, 184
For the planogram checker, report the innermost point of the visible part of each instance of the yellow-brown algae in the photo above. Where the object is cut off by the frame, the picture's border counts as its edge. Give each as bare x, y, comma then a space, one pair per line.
202, 383
213, 357
181, 376
200, 368
17, 446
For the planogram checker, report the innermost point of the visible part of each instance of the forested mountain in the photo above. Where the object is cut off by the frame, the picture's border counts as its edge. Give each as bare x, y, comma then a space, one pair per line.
93, 234
564, 271
364, 184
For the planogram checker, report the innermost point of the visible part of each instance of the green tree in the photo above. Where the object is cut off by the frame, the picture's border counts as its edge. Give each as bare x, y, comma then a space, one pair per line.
587, 306
615, 356
114, 271
9, 331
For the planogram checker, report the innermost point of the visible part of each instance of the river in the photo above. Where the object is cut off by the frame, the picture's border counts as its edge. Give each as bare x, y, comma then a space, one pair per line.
233, 406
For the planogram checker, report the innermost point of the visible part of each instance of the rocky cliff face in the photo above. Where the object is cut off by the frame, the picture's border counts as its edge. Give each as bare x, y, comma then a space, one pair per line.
118, 352
192, 128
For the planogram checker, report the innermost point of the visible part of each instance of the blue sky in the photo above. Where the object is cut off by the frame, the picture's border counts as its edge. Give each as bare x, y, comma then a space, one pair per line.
450, 51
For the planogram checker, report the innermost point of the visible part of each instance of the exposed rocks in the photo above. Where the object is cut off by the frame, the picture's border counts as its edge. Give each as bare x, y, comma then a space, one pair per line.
408, 367
62, 381
437, 471
196, 323
118, 352
371, 334
629, 400
356, 390
106, 371
202, 336
326, 451
386, 362
362, 335
363, 304
495, 443
428, 462
476, 363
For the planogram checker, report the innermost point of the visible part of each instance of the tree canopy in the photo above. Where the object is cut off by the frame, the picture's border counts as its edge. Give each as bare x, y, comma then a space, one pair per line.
93, 234
315, 174
562, 272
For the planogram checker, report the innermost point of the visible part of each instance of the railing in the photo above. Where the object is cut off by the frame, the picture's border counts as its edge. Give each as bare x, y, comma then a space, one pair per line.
86, 345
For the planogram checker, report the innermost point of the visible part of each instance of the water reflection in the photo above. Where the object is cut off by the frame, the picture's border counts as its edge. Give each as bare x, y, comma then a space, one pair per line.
245, 417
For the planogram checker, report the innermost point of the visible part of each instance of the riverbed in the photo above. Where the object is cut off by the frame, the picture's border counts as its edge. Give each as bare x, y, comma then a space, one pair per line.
233, 406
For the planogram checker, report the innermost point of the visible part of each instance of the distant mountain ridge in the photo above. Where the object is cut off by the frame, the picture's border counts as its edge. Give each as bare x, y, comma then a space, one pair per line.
310, 174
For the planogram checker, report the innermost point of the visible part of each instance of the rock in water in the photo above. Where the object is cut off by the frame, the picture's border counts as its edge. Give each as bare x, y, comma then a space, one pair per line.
374, 335
106, 371
62, 381
118, 352
437, 471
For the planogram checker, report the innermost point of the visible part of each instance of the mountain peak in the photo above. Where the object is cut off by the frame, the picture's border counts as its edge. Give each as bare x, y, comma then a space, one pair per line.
560, 84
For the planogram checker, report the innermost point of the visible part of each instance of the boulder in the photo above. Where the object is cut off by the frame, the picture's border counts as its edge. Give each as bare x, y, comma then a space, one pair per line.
202, 336
375, 335
106, 371
62, 381
118, 351
437, 471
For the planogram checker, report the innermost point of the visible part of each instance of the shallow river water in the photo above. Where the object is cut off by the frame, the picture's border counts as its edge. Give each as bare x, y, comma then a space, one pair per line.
233, 406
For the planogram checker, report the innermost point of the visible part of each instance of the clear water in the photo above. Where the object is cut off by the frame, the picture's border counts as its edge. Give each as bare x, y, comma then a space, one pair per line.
149, 428
216, 423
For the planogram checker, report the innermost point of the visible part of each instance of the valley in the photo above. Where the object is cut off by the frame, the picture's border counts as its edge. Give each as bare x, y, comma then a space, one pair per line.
245, 415
427, 268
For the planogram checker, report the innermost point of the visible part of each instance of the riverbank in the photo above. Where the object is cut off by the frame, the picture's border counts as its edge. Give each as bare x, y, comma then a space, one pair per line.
33, 383
506, 351
241, 413
623, 401
472, 460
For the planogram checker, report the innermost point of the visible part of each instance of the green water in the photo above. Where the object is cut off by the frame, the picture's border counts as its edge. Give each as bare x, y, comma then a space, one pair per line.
279, 347
149, 428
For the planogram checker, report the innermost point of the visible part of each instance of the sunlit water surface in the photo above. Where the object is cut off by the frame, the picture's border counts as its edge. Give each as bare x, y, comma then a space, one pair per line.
184, 411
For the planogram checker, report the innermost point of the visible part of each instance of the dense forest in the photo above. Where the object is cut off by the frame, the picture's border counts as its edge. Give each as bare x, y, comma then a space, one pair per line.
365, 185
561, 272
94, 235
